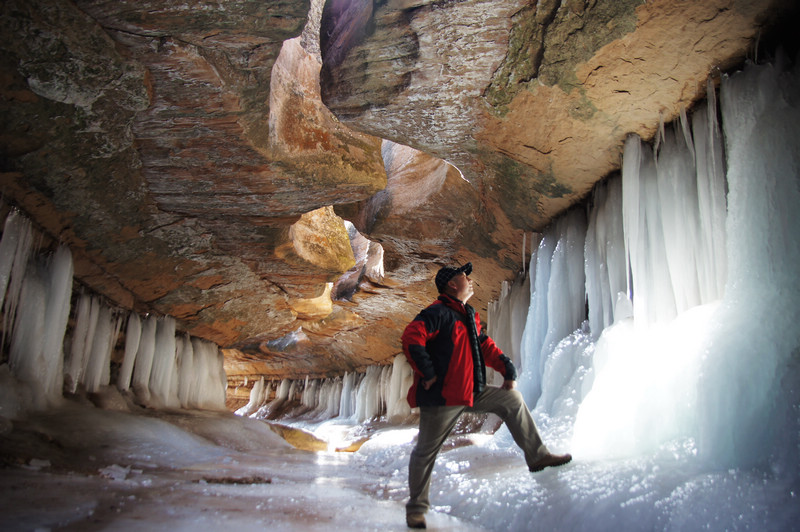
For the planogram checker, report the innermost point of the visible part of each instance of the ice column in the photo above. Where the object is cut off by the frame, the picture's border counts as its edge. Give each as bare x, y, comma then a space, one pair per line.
144, 360
133, 334
368, 401
347, 400
209, 392
257, 398
186, 369
97, 372
711, 198
605, 264
557, 305
35, 354
59, 291
402, 377
15, 249
650, 286
162, 383
532, 365
677, 192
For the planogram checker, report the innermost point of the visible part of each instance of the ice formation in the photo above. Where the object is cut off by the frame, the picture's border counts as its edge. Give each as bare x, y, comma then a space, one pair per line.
380, 392
35, 291
693, 295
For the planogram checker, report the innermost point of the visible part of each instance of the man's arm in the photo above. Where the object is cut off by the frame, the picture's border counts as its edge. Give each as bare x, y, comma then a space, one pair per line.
495, 359
414, 338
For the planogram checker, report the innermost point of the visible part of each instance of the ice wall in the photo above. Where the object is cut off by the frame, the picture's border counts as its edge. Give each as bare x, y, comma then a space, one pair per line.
557, 301
506, 326
40, 320
378, 393
691, 286
163, 370
749, 385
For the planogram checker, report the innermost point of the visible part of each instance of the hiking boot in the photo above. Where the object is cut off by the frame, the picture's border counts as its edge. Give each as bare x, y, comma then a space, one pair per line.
551, 460
415, 521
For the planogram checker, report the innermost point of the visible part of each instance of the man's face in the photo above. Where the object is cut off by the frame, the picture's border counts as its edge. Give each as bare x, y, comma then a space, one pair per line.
462, 287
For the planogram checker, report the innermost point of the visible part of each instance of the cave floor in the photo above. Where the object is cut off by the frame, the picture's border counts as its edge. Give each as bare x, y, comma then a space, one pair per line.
82, 468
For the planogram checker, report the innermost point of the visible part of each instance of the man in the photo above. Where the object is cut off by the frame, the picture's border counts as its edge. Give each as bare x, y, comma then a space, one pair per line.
449, 352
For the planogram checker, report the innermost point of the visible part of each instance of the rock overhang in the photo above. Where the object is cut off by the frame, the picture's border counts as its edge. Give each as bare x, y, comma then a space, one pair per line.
180, 153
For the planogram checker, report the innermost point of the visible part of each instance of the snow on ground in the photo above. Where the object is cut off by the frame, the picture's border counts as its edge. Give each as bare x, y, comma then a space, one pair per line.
82, 468
78, 467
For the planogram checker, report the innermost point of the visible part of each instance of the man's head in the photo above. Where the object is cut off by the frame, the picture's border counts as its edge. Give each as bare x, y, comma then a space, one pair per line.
455, 281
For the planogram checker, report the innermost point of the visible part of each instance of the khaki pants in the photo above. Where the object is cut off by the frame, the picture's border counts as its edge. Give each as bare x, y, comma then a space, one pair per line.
436, 422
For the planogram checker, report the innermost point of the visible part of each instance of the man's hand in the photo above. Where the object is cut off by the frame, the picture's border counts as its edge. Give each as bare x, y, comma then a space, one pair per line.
427, 384
509, 385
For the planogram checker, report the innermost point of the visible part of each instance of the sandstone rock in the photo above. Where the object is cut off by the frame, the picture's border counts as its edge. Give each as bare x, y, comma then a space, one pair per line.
530, 100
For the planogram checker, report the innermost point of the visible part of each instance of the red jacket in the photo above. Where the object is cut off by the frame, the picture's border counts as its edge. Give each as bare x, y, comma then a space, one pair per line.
446, 341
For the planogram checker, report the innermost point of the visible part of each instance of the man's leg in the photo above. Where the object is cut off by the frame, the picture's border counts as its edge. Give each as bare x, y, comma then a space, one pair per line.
511, 407
435, 423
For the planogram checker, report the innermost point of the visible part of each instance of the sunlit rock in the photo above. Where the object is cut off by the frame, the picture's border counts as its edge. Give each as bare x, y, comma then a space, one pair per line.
315, 307
319, 240
532, 100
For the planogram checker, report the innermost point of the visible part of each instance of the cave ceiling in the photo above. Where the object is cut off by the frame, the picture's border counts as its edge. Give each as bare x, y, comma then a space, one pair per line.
285, 177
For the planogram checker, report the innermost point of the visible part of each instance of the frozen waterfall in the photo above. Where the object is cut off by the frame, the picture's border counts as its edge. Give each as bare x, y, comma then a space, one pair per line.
690, 274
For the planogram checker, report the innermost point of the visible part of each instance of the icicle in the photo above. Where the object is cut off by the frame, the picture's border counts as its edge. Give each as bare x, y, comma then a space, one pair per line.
27, 338
631, 162
679, 220
210, 391
401, 380
16, 248
8, 247
346, 403
144, 360
659, 136
687, 134
132, 336
711, 195
97, 373
386, 377
59, 293
310, 390
334, 400
186, 369
163, 368
256, 399
91, 338
368, 398
76, 361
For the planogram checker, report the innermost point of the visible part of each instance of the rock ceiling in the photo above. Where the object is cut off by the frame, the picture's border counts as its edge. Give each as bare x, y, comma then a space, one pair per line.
273, 175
